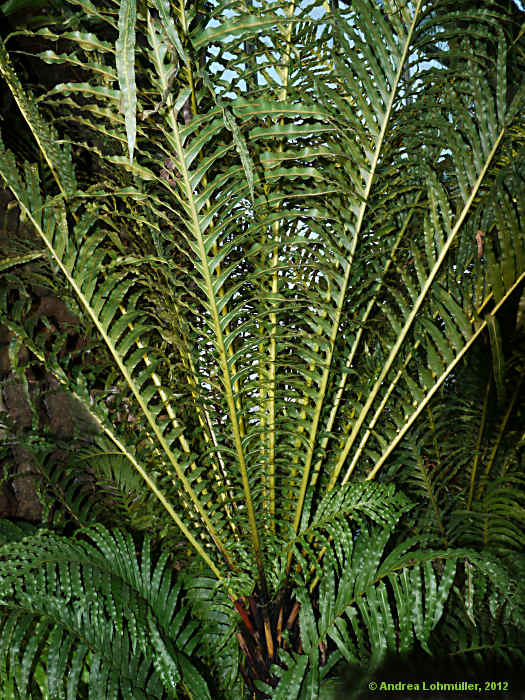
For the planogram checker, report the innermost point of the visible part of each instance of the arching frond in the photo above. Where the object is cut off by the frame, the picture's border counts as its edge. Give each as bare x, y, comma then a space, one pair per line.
57, 599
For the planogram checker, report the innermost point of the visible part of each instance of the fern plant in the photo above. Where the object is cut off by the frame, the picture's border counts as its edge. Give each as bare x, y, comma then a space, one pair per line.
297, 221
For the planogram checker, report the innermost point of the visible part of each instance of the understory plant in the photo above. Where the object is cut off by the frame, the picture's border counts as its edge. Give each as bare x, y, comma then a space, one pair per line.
285, 230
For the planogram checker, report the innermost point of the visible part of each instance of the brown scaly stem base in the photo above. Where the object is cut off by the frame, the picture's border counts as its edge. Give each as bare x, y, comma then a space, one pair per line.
260, 636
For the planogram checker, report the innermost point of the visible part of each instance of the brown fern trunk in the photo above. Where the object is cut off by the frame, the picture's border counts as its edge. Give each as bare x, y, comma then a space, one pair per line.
260, 636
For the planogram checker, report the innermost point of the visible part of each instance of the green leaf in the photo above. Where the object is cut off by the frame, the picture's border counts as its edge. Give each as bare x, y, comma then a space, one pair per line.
247, 25
496, 348
57, 156
164, 9
290, 681
125, 58
19, 260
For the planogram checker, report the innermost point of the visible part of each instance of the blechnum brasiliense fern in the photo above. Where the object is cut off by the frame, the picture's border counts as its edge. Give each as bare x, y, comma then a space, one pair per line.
300, 219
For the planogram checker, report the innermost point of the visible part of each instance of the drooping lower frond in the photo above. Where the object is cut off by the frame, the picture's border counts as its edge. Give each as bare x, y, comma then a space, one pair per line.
95, 616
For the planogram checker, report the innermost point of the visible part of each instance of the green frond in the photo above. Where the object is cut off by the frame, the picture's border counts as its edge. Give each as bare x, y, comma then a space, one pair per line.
468, 482
355, 577
80, 261
473, 632
219, 647
92, 611
19, 260
125, 57
57, 157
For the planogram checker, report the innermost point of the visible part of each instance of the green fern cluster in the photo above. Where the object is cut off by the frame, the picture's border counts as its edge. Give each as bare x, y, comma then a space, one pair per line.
285, 231
93, 603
